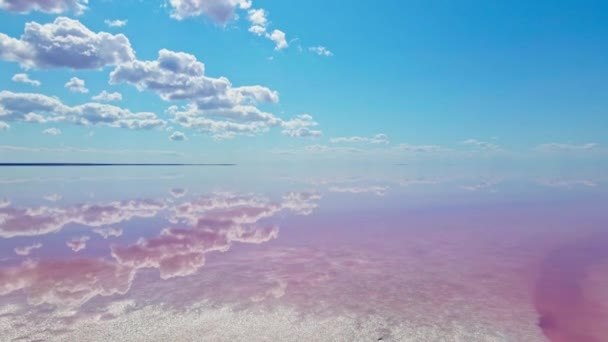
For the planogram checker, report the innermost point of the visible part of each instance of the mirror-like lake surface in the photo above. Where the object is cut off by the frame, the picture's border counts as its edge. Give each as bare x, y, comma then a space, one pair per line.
227, 254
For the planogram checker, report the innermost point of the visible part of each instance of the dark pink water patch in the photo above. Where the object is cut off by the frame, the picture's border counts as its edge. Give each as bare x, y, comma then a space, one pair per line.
567, 311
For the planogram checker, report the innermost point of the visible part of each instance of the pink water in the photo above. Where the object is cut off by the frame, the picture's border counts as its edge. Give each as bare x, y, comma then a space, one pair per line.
112, 259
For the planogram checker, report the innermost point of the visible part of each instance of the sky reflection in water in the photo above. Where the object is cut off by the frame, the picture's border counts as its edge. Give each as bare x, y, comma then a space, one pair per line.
222, 254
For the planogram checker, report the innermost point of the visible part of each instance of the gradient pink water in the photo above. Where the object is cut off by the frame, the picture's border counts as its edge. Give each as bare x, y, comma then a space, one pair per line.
525, 268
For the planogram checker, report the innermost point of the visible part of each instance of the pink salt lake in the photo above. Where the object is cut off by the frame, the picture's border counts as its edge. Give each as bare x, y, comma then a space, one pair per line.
126, 256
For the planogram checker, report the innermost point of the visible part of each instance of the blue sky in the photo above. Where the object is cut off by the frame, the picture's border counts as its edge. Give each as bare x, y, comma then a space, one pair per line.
396, 81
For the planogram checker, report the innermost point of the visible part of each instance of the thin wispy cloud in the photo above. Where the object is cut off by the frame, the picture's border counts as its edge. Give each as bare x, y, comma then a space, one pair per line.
484, 145
105, 96
89, 150
374, 189
568, 183
27, 250
116, 23
379, 138
420, 148
560, 147
53, 197
321, 51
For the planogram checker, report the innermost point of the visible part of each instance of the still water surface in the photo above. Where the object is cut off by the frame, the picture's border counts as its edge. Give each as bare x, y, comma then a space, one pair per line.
226, 254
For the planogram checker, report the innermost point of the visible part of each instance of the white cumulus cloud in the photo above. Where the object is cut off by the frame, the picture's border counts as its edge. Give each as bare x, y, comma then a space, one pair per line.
278, 37
178, 136
65, 43
115, 23
39, 108
76, 85
26, 250
221, 11
24, 78
321, 51
104, 96
52, 131
214, 105
46, 6
78, 244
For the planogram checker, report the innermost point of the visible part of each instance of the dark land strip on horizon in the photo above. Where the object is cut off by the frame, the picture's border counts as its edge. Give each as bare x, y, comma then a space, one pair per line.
109, 164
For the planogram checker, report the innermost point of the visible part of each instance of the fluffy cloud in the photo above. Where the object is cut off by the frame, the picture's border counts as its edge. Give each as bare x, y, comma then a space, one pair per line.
215, 223
257, 30
379, 138
79, 243
180, 76
207, 224
26, 250
300, 127
301, 203
178, 192
220, 130
104, 96
179, 252
278, 37
19, 222
178, 136
258, 17
115, 23
52, 131
108, 232
40, 108
76, 85
259, 25
24, 78
215, 106
242, 209
220, 11
65, 43
259, 20
65, 283
4, 126
321, 51
47, 6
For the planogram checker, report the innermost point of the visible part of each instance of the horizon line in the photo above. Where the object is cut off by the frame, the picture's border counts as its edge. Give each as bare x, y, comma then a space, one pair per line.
113, 164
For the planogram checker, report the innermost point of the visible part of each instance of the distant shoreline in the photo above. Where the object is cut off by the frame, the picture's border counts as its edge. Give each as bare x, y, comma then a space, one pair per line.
106, 164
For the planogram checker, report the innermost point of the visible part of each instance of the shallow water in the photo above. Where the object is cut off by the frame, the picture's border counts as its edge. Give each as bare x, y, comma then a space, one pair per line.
195, 253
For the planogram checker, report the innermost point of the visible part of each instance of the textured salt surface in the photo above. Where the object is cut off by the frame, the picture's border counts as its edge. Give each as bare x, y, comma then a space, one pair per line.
205, 323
